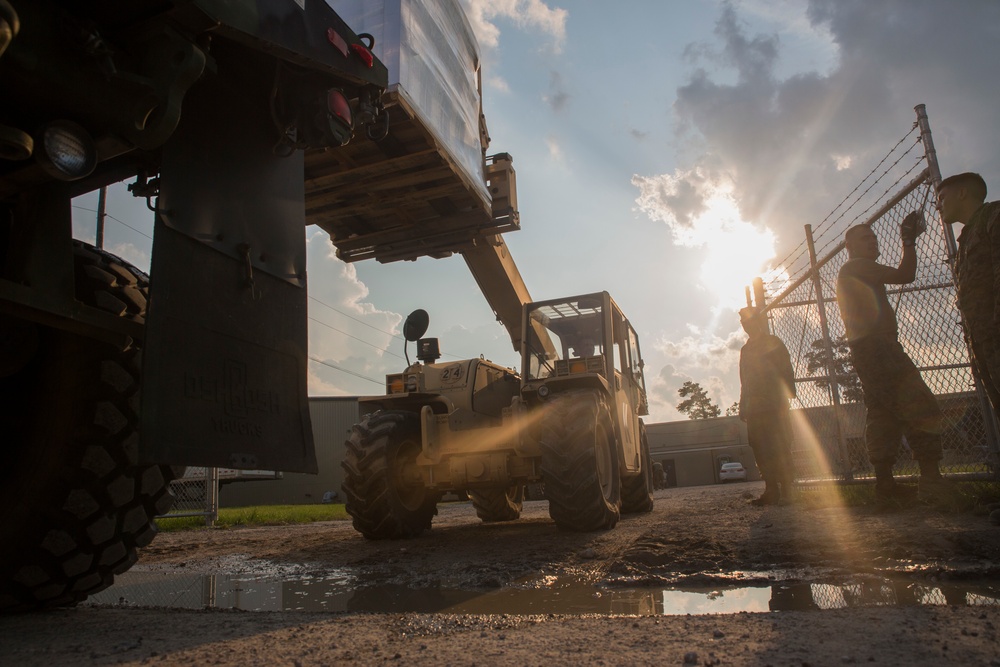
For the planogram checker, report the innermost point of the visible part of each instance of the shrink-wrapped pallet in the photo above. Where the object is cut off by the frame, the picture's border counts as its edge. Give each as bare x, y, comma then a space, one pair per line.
432, 57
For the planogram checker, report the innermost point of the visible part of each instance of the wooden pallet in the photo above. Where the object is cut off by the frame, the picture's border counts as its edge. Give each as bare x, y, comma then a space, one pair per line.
399, 198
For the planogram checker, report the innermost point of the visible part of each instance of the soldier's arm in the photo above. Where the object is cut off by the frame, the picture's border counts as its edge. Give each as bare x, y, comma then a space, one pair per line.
889, 275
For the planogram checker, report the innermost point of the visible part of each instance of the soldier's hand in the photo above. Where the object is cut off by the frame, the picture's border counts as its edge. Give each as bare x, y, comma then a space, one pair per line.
913, 225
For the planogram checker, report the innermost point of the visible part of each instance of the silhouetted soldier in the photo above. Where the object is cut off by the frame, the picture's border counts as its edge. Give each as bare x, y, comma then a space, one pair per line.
962, 198
898, 401
767, 381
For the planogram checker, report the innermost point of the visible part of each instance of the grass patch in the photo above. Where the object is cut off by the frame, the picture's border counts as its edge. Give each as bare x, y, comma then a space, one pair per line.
262, 515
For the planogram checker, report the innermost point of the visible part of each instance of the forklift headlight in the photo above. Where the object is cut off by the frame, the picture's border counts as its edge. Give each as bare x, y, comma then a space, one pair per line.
67, 151
543, 391
411, 383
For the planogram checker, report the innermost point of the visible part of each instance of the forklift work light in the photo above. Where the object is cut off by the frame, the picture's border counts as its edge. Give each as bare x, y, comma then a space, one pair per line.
67, 150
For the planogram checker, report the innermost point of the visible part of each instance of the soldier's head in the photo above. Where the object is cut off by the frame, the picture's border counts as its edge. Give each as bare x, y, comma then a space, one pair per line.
959, 196
861, 242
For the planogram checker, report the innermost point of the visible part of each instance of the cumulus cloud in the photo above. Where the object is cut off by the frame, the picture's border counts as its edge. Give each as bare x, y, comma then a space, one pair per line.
703, 352
791, 146
352, 343
525, 14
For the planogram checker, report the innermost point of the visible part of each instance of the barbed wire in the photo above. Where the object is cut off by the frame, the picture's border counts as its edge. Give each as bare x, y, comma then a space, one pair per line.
825, 226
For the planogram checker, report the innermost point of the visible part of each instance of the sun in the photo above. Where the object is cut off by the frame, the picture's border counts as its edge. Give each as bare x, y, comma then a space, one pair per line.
735, 250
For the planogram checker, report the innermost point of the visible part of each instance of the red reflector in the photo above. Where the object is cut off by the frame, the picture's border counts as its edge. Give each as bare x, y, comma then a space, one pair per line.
338, 106
363, 53
337, 41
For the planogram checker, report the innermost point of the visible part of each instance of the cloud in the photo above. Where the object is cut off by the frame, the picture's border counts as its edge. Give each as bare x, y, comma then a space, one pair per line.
352, 343
137, 257
557, 98
704, 353
790, 147
555, 150
533, 15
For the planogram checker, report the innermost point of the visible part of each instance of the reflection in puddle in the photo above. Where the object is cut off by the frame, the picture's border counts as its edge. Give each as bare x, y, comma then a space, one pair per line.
549, 596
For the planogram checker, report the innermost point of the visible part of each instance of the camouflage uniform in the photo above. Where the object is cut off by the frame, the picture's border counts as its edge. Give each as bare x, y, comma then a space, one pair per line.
767, 381
898, 401
977, 277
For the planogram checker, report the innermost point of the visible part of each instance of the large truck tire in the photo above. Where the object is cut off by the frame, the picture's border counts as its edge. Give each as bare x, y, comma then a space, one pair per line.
383, 490
498, 504
637, 490
579, 462
76, 507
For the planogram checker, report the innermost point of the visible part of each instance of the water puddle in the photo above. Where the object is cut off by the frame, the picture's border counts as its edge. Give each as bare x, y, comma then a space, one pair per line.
342, 592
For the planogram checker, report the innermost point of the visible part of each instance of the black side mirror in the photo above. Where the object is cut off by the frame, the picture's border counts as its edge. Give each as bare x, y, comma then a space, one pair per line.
414, 328
416, 325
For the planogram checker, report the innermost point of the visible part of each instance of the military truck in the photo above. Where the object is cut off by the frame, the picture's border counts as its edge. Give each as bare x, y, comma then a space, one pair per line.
207, 107
569, 419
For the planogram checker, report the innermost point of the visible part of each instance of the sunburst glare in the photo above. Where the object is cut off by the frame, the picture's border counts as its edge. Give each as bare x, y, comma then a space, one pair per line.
735, 250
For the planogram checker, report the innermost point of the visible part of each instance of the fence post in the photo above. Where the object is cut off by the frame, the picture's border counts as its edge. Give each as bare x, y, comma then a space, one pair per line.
831, 372
930, 154
212, 497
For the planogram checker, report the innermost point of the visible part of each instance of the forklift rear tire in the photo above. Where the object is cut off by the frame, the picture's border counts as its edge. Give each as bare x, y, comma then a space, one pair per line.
580, 463
384, 492
637, 491
498, 504
76, 505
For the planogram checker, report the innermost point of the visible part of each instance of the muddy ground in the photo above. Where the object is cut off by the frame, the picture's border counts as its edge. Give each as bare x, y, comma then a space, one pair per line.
921, 569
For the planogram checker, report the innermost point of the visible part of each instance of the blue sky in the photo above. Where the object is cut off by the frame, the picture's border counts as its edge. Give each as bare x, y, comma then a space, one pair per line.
665, 151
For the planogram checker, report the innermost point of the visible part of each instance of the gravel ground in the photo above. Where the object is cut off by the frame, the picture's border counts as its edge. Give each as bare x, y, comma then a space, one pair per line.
917, 571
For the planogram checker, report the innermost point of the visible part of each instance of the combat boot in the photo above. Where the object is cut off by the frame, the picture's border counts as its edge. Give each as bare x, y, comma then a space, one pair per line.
771, 495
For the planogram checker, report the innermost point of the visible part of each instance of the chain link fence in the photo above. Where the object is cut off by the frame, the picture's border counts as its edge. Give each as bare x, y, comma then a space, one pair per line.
800, 299
196, 493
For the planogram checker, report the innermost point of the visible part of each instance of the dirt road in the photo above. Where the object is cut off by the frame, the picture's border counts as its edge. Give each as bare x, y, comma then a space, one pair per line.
910, 587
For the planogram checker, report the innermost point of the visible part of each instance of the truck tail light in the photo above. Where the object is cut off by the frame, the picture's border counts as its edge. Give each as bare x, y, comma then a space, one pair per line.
65, 150
339, 119
339, 107
364, 54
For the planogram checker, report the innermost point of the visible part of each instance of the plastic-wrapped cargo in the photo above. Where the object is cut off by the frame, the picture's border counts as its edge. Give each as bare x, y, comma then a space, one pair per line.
433, 60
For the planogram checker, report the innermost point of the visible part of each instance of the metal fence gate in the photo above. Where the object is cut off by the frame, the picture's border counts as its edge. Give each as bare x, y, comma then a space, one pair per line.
196, 493
800, 299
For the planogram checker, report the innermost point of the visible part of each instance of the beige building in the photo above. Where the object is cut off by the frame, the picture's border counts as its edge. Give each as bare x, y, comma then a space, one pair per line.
693, 450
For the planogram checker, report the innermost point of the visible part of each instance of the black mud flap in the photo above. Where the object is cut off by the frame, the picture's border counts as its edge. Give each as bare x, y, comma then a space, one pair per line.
225, 361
